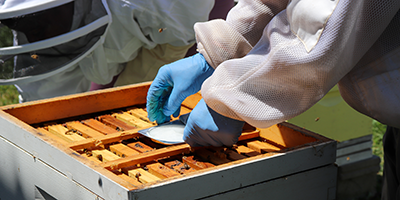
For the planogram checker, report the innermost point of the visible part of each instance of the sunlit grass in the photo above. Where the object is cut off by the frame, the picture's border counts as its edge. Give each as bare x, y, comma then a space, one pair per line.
8, 95
378, 130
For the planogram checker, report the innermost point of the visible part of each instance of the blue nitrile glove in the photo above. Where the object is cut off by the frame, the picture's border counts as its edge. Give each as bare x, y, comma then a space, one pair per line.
173, 83
205, 127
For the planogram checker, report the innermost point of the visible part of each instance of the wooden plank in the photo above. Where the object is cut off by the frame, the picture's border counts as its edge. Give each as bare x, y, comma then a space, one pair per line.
152, 143
64, 133
233, 155
139, 146
262, 147
62, 158
192, 100
246, 173
122, 150
147, 156
161, 171
98, 126
180, 167
106, 139
195, 163
126, 169
88, 155
184, 110
132, 181
286, 136
140, 113
79, 104
311, 151
132, 120
103, 140
57, 129
249, 134
86, 131
115, 123
142, 175
212, 157
246, 151
104, 155
53, 136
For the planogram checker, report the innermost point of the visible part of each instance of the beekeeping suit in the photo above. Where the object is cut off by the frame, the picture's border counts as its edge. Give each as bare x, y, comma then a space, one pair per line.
102, 37
272, 60
275, 59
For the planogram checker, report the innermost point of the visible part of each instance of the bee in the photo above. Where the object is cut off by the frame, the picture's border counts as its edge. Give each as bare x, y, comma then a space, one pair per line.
161, 30
316, 119
35, 56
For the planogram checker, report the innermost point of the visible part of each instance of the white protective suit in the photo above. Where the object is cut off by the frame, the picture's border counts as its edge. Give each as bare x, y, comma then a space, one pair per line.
274, 59
135, 25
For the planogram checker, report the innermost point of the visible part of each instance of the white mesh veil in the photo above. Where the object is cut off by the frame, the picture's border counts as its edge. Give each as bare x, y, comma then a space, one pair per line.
279, 78
49, 41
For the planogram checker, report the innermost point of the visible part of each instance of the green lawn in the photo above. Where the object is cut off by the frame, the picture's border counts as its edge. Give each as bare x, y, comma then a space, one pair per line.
8, 94
378, 130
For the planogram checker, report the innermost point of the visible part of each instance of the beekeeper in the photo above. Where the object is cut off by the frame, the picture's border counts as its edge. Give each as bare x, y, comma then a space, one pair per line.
61, 46
272, 60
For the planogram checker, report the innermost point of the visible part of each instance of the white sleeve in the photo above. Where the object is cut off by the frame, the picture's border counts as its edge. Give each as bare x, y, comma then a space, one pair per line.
148, 23
303, 52
136, 24
220, 40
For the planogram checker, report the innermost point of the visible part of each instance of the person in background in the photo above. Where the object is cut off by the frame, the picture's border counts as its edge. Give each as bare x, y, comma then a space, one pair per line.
144, 67
219, 11
271, 60
61, 47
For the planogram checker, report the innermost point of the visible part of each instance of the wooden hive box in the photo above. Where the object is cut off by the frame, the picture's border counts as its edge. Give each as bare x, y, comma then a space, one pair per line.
86, 146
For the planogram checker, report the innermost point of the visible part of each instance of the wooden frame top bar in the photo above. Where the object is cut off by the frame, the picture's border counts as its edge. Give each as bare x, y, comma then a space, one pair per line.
78, 104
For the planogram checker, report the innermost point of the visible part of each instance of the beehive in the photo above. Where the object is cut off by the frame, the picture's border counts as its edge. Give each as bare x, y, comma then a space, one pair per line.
88, 145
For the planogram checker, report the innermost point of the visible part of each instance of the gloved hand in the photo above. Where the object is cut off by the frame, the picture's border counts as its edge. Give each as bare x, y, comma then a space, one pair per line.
205, 127
173, 83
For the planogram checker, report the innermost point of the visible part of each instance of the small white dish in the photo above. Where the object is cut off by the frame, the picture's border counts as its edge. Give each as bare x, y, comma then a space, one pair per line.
168, 133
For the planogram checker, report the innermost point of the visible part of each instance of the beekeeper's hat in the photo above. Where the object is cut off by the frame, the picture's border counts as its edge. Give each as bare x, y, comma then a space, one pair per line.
39, 38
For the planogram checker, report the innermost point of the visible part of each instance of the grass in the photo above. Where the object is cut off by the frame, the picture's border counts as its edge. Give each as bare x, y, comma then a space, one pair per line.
378, 131
8, 95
